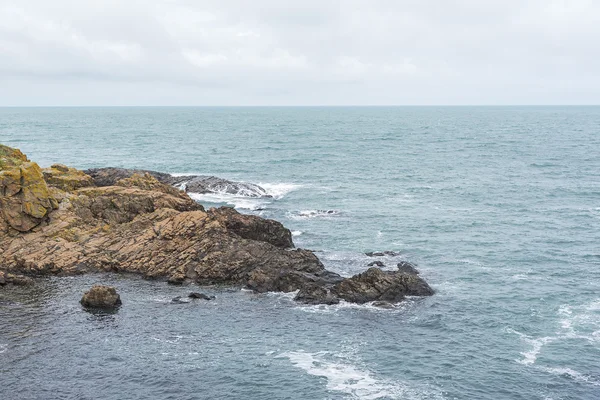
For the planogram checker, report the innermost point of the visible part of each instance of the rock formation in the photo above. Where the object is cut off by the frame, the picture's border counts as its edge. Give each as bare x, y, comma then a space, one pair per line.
62, 221
189, 183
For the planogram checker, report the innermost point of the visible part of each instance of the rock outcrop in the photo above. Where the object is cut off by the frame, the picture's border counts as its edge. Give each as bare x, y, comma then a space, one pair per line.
189, 183
62, 221
104, 297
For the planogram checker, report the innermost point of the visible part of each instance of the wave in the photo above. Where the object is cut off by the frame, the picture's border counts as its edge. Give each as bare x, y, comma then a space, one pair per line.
351, 379
279, 190
246, 203
3, 348
244, 199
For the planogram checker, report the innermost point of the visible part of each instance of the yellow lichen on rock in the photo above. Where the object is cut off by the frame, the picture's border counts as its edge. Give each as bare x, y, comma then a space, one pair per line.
65, 178
24, 196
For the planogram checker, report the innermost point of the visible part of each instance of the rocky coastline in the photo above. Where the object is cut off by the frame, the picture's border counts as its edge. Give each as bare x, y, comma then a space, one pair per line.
63, 221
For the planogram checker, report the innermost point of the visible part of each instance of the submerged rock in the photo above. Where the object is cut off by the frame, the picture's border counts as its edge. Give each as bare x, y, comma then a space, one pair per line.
196, 295
382, 253
99, 296
178, 300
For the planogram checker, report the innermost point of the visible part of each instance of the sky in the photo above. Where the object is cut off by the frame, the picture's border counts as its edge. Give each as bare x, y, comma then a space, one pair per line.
277, 52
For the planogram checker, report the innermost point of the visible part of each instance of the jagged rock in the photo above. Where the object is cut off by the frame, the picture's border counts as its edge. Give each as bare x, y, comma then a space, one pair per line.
24, 196
66, 178
316, 294
110, 176
406, 267
99, 296
196, 295
376, 263
377, 285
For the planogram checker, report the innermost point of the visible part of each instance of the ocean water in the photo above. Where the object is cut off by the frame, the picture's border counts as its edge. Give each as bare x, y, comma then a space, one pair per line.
498, 206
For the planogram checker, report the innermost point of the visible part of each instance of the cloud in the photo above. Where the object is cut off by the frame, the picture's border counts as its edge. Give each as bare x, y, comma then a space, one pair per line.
292, 52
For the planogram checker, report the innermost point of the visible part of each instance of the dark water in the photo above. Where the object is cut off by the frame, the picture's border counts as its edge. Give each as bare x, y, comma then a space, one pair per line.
499, 207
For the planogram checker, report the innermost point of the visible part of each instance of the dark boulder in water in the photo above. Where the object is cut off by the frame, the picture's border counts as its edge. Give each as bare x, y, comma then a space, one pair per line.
196, 295
377, 285
99, 296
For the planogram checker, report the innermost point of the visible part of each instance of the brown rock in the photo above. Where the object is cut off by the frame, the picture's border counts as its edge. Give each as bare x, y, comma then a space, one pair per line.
101, 297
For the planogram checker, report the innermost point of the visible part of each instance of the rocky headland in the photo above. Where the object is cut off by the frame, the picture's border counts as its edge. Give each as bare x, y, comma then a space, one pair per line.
63, 221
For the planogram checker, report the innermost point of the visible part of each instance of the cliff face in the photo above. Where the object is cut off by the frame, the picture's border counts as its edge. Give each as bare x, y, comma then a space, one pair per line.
58, 221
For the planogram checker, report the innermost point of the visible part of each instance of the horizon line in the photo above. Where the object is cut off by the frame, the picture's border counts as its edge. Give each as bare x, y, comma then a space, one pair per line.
301, 105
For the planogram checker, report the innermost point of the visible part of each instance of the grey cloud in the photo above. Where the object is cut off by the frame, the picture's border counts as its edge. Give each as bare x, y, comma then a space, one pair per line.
291, 52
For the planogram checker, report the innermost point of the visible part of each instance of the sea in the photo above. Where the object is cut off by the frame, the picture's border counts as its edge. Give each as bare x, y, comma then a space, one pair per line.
499, 208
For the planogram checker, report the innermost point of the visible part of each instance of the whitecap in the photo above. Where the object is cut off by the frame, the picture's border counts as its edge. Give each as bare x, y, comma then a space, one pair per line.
344, 377
3, 348
344, 305
279, 190
297, 233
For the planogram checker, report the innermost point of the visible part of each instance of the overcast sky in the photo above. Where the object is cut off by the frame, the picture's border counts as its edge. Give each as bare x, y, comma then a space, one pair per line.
277, 52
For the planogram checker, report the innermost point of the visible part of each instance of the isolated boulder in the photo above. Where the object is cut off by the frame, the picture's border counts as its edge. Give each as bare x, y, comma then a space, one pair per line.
100, 296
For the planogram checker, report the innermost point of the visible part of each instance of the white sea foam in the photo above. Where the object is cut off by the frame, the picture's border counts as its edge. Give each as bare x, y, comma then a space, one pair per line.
308, 214
351, 379
344, 305
3, 348
241, 201
576, 376
247, 203
279, 190
536, 344
581, 322
576, 322
297, 233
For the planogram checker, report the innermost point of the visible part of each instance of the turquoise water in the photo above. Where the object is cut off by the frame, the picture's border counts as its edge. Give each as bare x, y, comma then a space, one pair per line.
498, 206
